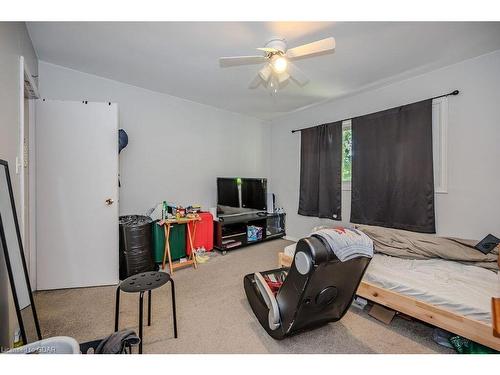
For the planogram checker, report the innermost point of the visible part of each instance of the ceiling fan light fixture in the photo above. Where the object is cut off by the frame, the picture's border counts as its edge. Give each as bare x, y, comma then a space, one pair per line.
278, 59
273, 86
279, 63
265, 73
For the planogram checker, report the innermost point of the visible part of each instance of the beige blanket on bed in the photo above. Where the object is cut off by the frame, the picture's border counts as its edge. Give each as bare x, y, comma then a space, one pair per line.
411, 245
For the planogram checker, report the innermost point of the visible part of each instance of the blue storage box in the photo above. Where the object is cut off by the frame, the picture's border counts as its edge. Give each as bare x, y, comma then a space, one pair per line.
254, 233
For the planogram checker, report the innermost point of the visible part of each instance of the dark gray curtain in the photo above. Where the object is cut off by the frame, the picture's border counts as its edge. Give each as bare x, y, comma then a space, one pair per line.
320, 171
392, 168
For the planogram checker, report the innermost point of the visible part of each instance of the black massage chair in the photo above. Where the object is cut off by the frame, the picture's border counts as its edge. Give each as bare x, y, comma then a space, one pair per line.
317, 289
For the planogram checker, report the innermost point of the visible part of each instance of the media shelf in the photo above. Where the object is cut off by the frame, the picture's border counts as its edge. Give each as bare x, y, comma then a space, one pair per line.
231, 232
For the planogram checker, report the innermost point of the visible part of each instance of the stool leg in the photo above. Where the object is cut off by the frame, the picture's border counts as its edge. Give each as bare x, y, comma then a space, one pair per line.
149, 307
141, 312
173, 307
117, 308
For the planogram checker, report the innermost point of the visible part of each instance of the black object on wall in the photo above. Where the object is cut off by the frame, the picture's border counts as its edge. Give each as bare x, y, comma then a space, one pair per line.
392, 168
122, 140
320, 171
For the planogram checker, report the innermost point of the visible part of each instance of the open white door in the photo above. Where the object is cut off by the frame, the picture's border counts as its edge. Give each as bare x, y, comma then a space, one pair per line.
77, 194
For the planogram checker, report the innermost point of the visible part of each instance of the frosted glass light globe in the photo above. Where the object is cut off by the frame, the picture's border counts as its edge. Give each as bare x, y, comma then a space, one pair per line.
279, 64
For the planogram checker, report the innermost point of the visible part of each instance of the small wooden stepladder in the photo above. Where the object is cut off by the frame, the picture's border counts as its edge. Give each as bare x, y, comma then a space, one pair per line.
190, 223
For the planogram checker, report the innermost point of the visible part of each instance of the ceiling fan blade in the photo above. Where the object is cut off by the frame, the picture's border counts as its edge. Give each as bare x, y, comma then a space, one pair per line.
241, 60
255, 82
265, 72
312, 49
297, 75
267, 49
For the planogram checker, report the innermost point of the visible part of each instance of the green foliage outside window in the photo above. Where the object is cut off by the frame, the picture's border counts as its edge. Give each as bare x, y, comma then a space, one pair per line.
346, 154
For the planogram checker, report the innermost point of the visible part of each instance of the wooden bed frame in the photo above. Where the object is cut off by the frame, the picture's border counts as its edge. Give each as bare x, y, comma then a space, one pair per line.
461, 325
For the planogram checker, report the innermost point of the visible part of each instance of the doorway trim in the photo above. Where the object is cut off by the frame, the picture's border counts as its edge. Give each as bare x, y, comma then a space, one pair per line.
28, 90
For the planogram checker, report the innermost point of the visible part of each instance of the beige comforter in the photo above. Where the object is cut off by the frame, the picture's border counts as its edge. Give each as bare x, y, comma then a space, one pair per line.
411, 245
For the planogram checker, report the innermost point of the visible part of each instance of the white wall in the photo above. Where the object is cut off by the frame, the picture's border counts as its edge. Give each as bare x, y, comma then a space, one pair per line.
14, 42
471, 208
176, 148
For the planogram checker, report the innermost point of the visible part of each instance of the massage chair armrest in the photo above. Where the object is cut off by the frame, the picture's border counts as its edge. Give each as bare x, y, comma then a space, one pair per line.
269, 299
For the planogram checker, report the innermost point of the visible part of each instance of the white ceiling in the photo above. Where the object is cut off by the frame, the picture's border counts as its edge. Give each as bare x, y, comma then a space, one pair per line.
181, 58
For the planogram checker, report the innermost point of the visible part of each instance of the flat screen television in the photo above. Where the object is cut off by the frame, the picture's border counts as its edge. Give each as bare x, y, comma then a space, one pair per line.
245, 193
228, 192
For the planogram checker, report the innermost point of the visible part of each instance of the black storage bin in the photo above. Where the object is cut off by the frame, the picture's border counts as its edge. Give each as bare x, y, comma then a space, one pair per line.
136, 245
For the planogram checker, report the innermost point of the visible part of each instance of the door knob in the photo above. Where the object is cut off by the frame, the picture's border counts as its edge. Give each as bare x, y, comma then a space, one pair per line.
109, 201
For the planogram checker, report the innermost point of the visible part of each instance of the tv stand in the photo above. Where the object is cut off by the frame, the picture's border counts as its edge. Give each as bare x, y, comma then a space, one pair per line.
231, 232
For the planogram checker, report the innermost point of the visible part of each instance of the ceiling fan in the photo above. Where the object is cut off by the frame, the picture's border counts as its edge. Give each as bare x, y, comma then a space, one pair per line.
279, 67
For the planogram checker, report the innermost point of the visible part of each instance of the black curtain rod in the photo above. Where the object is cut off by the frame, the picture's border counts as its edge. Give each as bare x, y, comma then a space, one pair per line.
350, 118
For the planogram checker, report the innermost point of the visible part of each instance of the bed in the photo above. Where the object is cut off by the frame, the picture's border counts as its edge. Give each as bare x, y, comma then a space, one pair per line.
448, 294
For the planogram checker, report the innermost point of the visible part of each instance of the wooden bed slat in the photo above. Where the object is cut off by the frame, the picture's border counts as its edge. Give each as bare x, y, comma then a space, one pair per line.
495, 307
461, 325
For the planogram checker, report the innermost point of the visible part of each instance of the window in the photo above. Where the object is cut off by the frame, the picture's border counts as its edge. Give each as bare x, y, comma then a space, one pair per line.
346, 154
439, 144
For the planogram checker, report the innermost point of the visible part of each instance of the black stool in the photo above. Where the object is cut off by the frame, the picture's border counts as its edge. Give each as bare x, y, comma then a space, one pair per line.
140, 283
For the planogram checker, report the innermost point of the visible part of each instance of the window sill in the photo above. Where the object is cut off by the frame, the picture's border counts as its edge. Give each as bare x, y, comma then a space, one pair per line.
348, 188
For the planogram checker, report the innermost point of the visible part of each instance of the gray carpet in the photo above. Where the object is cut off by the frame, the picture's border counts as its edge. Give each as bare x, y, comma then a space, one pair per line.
214, 316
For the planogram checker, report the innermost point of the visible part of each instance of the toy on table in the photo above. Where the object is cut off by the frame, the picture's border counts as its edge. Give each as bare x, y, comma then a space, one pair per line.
180, 212
193, 209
